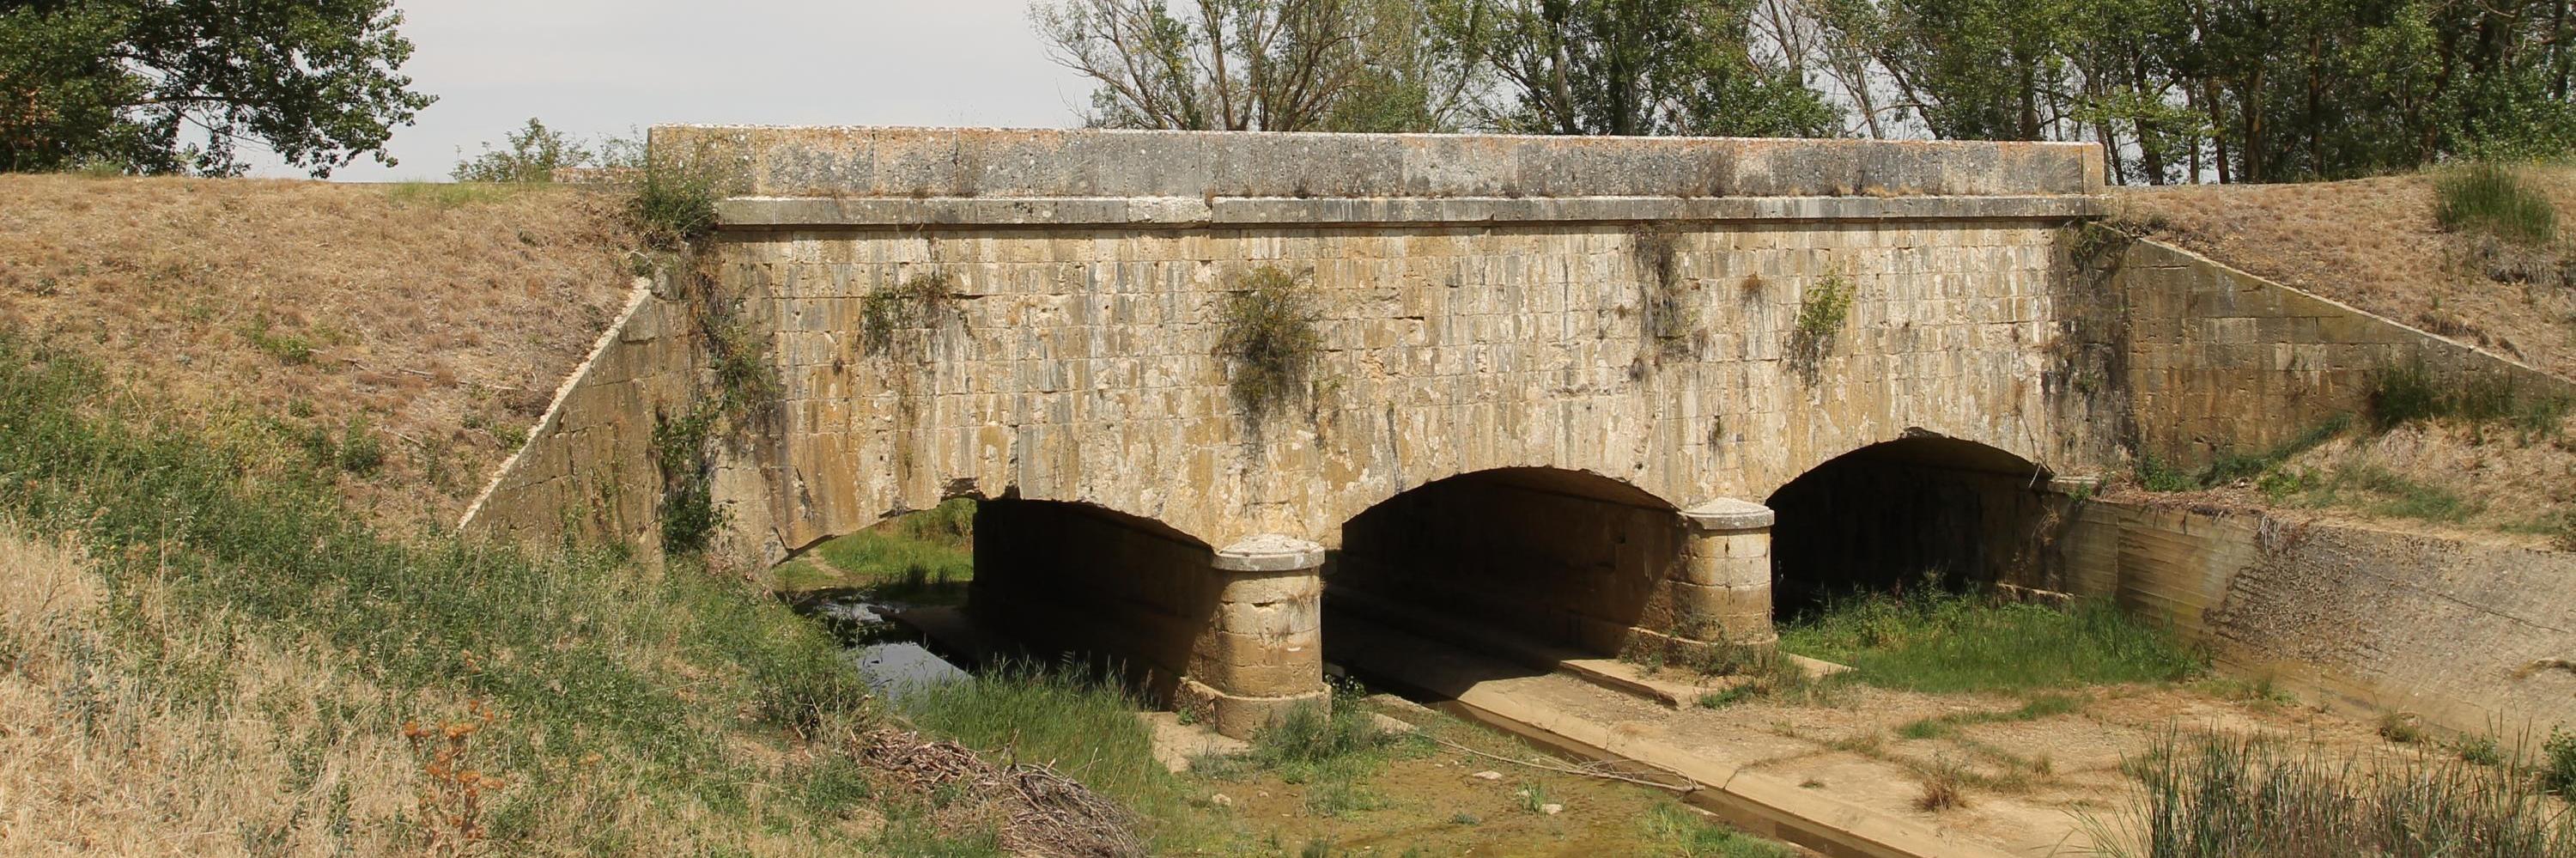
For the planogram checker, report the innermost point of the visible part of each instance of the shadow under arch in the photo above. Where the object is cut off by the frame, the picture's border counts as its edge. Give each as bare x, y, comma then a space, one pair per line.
1066, 579
1564, 560
1923, 510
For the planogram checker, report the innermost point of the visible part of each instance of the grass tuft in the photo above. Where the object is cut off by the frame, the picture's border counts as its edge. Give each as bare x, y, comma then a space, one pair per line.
2258, 796
2494, 199
1692, 834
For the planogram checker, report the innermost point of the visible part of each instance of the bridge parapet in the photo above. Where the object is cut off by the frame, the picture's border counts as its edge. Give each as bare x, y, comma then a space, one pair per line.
919, 163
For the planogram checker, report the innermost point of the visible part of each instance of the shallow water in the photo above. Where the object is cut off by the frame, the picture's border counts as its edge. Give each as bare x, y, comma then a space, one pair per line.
888, 655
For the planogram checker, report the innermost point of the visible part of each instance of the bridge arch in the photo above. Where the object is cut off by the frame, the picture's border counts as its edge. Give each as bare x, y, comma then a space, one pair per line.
1536, 559
1915, 511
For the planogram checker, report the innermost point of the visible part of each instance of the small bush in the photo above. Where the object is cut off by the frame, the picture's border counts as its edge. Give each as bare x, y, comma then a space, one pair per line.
2479, 750
1941, 783
1309, 734
690, 518
1270, 339
2558, 762
921, 302
533, 154
2494, 199
673, 202
2400, 727
2402, 394
1822, 310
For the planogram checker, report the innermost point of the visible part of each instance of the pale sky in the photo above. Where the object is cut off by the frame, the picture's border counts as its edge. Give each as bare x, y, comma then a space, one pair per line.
593, 67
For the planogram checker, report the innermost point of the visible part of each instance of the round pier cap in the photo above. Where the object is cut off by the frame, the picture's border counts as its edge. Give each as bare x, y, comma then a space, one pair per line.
1270, 552
1728, 514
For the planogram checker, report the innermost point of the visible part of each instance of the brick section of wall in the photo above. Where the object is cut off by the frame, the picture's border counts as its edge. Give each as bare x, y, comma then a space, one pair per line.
2471, 636
2222, 360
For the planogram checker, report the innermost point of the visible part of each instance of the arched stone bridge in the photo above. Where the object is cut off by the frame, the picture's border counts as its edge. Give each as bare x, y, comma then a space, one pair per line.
1557, 380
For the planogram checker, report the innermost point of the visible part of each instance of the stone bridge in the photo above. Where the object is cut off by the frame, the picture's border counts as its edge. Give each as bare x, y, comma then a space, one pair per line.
1564, 386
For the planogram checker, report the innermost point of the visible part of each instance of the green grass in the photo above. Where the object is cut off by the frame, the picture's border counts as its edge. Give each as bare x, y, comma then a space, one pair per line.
2408, 393
1083, 726
1683, 832
662, 674
2380, 491
2214, 795
1954, 643
2157, 475
925, 557
2494, 199
1944, 726
1333, 751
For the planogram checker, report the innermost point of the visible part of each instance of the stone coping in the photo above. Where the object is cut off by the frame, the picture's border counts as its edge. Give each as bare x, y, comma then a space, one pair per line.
796, 212
1269, 552
1000, 162
1728, 515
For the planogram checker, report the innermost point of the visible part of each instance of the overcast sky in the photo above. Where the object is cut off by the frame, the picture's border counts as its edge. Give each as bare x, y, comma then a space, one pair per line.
595, 67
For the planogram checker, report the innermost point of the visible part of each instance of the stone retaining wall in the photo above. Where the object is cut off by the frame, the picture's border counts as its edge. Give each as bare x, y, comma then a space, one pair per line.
2471, 636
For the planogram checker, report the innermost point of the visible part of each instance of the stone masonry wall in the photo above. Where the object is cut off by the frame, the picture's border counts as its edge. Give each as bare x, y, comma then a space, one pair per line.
1647, 338
1082, 365
2221, 360
2473, 637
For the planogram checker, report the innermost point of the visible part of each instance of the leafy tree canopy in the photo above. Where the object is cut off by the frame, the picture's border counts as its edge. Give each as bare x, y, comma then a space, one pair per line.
169, 86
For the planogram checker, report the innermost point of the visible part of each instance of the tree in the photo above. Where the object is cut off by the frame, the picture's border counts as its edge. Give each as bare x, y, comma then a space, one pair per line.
1257, 65
1635, 67
166, 86
534, 153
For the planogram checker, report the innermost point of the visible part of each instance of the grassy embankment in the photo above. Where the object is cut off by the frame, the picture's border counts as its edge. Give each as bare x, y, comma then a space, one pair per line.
2476, 253
207, 654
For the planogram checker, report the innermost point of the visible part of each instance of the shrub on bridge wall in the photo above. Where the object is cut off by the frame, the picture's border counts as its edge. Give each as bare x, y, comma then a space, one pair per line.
1821, 313
921, 302
1270, 339
1670, 319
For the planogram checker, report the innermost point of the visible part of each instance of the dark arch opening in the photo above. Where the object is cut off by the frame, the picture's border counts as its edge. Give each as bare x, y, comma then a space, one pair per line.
1559, 559
1919, 511
1094, 584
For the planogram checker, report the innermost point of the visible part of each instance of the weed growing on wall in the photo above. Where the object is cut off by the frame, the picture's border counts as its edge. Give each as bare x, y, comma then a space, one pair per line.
672, 200
1821, 314
689, 515
924, 301
1269, 339
1670, 319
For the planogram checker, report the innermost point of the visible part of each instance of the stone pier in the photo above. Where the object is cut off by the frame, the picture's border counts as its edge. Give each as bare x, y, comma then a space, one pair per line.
1722, 587
1265, 651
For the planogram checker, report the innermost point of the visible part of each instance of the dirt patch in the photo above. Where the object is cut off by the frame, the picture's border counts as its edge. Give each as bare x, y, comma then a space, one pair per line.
436, 320
2374, 244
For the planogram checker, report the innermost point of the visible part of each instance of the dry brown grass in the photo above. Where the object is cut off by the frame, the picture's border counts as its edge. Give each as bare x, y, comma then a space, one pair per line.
93, 761
2373, 243
447, 320
135, 731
